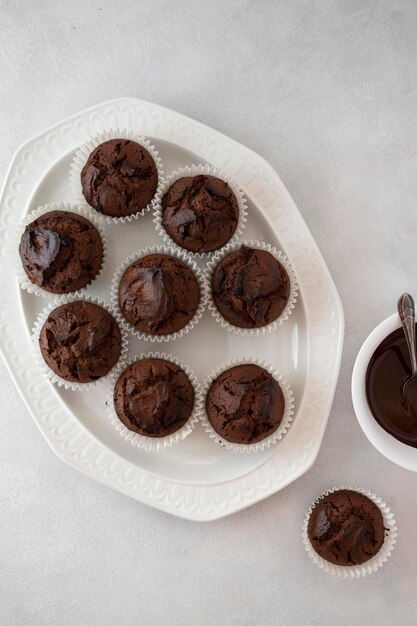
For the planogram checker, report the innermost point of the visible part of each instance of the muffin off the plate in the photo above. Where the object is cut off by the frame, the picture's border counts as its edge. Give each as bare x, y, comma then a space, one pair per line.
346, 528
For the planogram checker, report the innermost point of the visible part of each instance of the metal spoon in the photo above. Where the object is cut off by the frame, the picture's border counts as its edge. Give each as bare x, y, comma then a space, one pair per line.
407, 313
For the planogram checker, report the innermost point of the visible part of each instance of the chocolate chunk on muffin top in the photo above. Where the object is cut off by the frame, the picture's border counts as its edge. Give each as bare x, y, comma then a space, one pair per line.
119, 178
80, 341
250, 288
158, 294
200, 213
245, 404
61, 251
154, 397
346, 528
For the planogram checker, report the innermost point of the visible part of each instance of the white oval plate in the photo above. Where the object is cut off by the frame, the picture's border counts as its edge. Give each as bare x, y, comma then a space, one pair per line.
196, 479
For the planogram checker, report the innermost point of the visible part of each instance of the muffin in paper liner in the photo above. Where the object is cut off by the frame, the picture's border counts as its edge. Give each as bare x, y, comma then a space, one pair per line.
196, 170
142, 442
170, 251
61, 382
80, 159
260, 245
271, 439
370, 566
23, 279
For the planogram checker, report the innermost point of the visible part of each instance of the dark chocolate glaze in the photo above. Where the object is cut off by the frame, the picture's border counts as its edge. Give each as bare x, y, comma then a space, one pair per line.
393, 407
250, 288
46, 251
346, 528
153, 397
245, 404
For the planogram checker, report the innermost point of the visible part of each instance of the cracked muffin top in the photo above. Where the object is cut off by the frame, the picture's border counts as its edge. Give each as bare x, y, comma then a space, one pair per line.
119, 178
153, 397
61, 251
158, 294
245, 404
80, 341
250, 288
200, 213
346, 528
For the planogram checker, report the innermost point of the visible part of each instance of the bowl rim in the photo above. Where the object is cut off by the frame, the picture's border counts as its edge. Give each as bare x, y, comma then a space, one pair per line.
393, 449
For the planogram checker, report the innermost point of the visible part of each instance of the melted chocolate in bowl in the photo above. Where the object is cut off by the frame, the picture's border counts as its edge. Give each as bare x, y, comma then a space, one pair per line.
393, 404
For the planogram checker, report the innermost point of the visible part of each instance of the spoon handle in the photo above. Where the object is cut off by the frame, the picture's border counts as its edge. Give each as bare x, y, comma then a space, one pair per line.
407, 313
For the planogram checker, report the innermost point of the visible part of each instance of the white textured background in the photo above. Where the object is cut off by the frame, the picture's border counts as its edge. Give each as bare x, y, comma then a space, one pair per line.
326, 91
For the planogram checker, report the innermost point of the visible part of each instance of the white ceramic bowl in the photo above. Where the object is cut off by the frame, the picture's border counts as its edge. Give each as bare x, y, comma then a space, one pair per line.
394, 450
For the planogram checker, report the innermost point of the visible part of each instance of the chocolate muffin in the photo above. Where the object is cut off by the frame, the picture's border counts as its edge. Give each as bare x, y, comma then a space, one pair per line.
120, 178
154, 397
250, 288
245, 404
80, 341
200, 213
61, 251
158, 294
346, 528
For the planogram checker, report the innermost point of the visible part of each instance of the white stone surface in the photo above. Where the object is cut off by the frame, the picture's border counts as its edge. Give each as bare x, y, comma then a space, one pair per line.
327, 92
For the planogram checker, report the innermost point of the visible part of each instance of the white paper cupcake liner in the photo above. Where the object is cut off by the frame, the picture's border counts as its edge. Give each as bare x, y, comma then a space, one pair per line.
81, 157
170, 251
83, 211
369, 567
48, 373
196, 170
142, 442
271, 439
260, 245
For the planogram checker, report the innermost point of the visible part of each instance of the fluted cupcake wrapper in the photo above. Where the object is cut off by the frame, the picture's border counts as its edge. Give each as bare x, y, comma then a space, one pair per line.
170, 251
369, 567
156, 444
83, 211
280, 256
271, 439
48, 373
197, 170
80, 159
